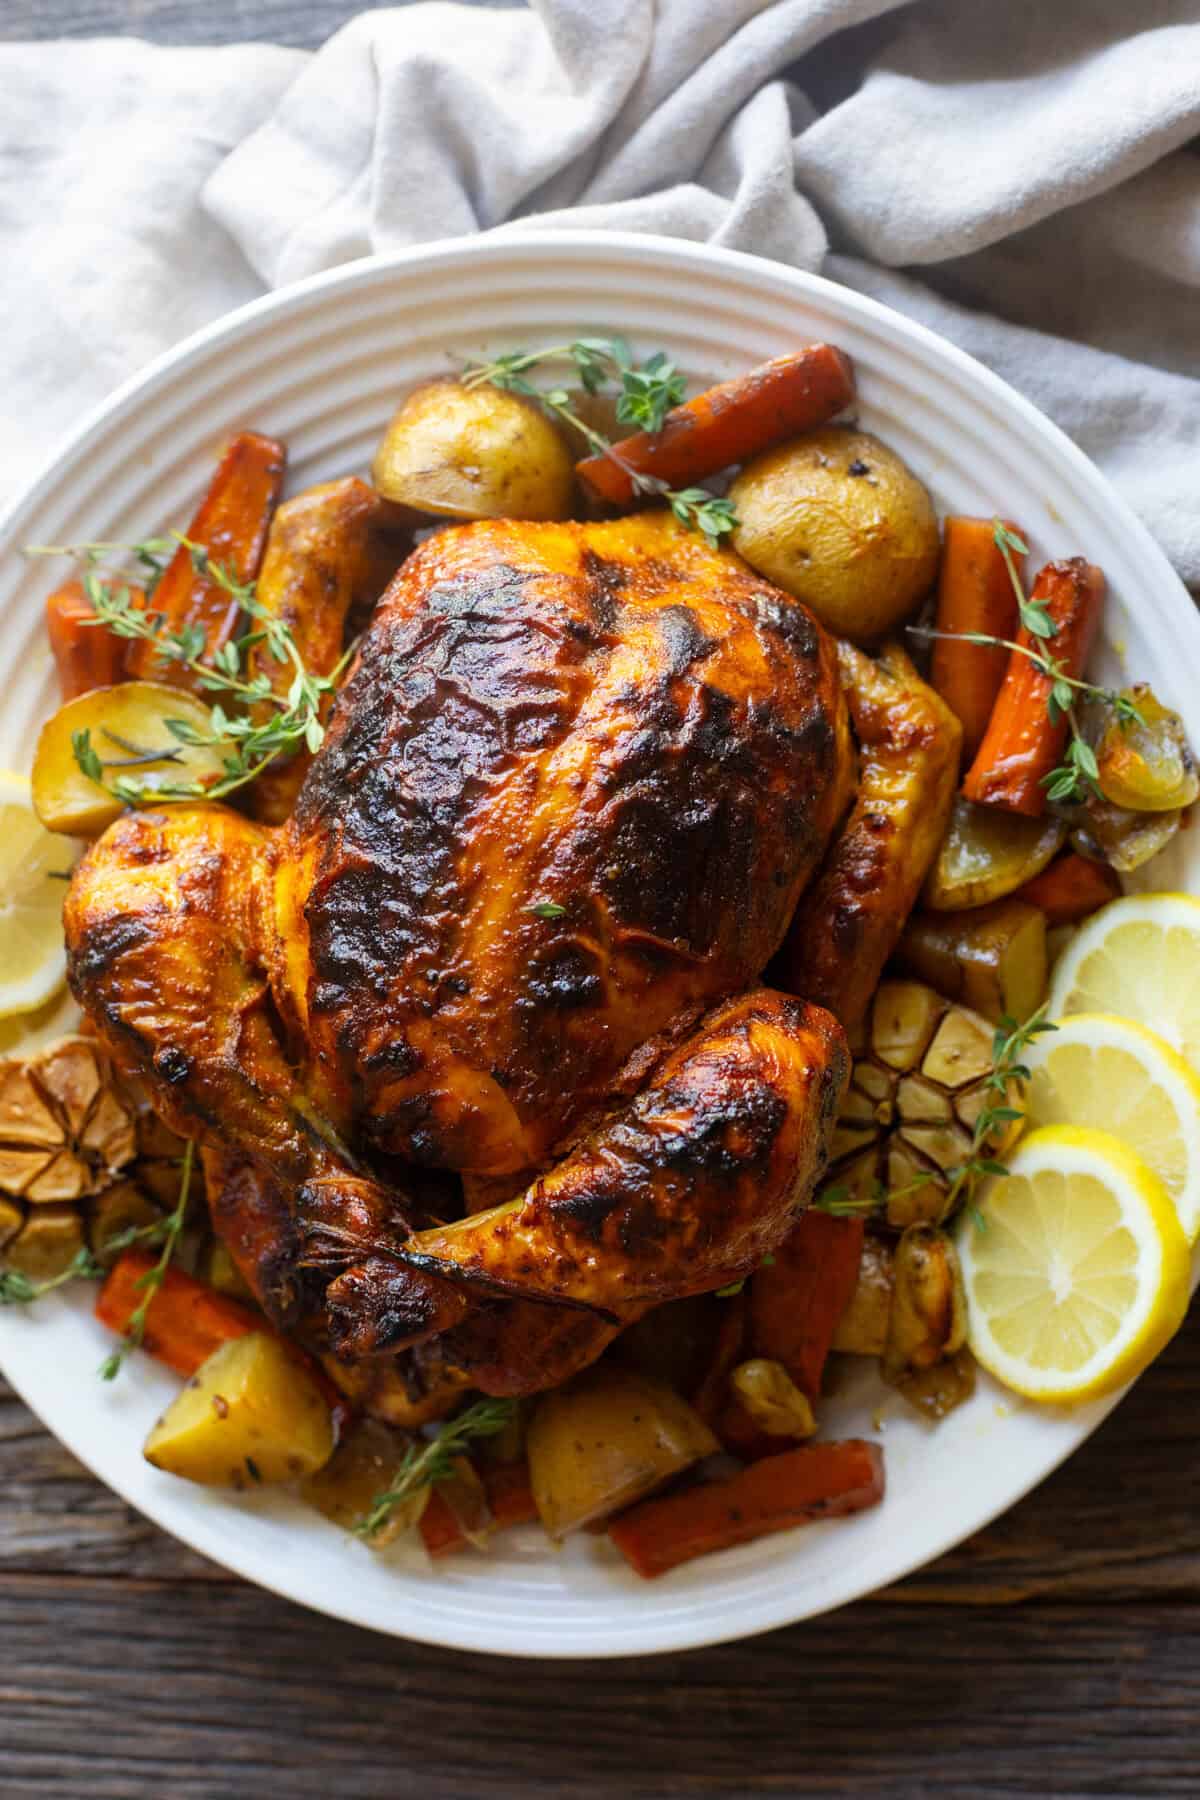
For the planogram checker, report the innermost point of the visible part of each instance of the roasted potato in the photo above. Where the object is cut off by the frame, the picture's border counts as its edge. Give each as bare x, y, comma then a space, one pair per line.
217, 1267
250, 1414
835, 518
1147, 766
987, 853
1124, 840
992, 958
125, 727
474, 453
364, 1465
606, 1439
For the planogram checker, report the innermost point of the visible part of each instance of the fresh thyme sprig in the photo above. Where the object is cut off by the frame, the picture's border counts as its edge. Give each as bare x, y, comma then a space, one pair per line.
152, 1280
1009, 1044
1078, 774
16, 1288
248, 742
434, 1461
647, 393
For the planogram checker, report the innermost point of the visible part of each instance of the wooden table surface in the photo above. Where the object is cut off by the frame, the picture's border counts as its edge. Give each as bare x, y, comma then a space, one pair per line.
1058, 1653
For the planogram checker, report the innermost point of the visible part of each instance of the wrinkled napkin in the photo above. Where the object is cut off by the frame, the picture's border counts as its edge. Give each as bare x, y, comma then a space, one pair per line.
1019, 177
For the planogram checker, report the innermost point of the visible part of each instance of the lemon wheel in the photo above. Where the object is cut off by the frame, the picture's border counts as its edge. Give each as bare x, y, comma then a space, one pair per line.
1138, 957
1110, 1074
34, 863
1076, 1271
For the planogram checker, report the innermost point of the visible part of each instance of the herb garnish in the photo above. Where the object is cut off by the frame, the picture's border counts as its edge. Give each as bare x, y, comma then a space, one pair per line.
1078, 774
16, 1289
248, 741
149, 1284
434, 1461
648, 391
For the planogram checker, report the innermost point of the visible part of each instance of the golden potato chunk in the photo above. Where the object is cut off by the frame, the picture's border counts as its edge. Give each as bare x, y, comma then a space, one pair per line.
838, 520
250, 1414
605, 1440
474, 453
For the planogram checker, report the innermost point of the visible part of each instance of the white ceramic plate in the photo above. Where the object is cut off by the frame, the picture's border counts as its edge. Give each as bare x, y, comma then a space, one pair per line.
321, 365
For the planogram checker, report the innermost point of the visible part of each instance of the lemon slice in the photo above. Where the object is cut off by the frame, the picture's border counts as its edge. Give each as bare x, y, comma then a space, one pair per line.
33, 861
1112, 1075
1078, 1274
1138, 957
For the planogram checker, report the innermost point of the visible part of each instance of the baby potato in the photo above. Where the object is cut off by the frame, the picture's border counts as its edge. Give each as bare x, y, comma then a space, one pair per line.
835, 518
125, 727
988, 853
605, 1440
474, 453
250, 1414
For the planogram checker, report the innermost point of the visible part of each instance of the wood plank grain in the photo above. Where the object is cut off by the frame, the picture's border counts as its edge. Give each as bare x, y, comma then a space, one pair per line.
206, 1692
1118, 1520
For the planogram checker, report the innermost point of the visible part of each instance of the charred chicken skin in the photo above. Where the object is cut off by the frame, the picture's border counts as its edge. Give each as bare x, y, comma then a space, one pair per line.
570, 795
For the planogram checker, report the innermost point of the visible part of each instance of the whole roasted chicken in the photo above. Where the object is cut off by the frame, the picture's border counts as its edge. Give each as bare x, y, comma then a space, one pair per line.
475, 1041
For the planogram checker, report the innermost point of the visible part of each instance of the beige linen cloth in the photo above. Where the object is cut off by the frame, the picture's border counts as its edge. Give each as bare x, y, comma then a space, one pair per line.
1016, 173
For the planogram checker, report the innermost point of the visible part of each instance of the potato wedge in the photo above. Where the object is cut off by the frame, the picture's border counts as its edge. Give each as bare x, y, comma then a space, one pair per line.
987, 853
364, 1465
474, 453
125, 727
992, 958
250, 1414
835, 518
606, 1439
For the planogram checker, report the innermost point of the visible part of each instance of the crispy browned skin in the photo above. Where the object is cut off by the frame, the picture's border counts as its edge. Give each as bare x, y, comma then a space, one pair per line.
570, 796
850, 920
566, 804
688, 1187
327, 557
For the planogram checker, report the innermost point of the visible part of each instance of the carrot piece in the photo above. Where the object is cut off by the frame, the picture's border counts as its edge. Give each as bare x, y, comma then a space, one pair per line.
509, 1497
975, 593
1072, 888
728, 423
797, 1301
712, 1391
1021, 746
86, 655
186, 1320
231, 524
817, 1481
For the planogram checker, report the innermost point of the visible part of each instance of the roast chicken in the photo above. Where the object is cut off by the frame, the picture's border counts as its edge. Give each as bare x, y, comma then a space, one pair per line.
476, 1040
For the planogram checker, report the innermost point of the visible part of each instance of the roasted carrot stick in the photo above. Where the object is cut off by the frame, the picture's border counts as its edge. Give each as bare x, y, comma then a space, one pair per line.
1072, 888
975, 593
231, 524
817, 1481
1021, 746
727, 1351
187, 1320
796, 1301
728, 423
86, 655
510, 1500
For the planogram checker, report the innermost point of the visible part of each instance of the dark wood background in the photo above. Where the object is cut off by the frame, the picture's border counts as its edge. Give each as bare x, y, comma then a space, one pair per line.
1058, 1653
